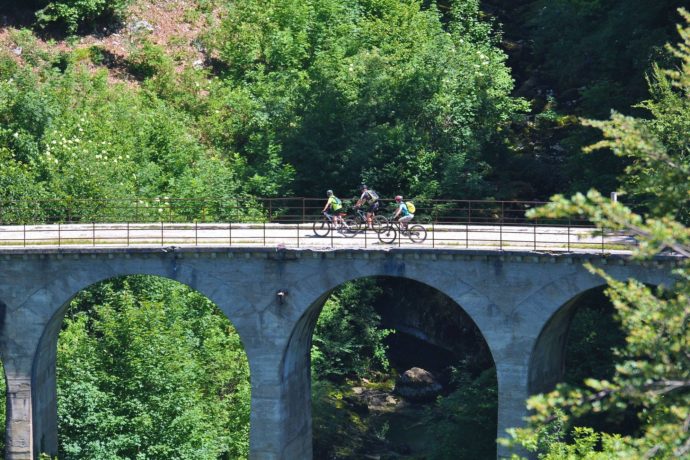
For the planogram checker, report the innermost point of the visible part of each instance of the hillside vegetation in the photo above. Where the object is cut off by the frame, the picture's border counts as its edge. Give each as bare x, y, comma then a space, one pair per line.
456, 99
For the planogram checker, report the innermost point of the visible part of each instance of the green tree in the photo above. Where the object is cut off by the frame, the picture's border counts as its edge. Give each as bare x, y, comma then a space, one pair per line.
463, 423
149, 369
69, 15
69, 134
348, 339
653, 368
381, 91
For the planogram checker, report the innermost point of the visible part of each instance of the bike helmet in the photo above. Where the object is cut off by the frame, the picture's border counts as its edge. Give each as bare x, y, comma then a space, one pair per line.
398, 198
363, 187
329, 192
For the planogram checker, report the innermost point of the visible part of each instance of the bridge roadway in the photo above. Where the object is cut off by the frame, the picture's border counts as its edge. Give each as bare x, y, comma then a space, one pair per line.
521, 301
302, 235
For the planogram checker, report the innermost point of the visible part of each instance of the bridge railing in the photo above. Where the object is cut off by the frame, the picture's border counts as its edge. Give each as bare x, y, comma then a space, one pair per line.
288, 222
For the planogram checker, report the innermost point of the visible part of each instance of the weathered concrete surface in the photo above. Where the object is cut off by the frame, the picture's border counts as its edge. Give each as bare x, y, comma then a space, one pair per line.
511, 297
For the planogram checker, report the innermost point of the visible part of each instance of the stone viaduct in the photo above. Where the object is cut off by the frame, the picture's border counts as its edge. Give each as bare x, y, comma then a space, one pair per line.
521, 302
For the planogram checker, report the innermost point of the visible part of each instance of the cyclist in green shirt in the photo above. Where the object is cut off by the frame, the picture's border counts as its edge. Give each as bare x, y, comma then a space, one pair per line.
333, 205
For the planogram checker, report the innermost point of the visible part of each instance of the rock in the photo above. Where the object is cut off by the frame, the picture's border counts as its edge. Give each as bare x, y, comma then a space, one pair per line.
140, 26
418, 385
198, 65
17, 51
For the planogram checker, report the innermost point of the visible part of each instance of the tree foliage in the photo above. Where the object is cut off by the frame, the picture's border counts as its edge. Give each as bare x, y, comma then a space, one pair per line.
150, 369
380, 91
72, 14
463, 424
348, 340
653, 369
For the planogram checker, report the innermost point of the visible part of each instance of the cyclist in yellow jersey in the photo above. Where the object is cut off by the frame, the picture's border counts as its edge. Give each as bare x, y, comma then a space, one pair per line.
333, 205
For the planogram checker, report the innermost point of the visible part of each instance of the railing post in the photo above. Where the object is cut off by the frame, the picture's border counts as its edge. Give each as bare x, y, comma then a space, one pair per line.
264, 232
93, 233
24, 235
603, 234
298, 234
500, 229
59, 235
162, 238
433, 235
568, 235
230, 233
196, 232
534, 231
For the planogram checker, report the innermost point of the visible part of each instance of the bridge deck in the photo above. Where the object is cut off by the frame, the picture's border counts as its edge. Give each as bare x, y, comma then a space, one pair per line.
302, 235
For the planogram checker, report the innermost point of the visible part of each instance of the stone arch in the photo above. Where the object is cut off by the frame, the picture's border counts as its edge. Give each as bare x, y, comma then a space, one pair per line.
43, 371
295, 364
554, 307
547, 360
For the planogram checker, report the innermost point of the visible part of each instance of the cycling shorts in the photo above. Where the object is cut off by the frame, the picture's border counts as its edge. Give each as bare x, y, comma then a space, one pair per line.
373, 207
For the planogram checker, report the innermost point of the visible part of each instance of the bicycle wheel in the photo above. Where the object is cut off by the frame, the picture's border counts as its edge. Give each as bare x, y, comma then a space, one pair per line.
322, 227
357, 223
388, 234
416, 233
351, 227
380, 223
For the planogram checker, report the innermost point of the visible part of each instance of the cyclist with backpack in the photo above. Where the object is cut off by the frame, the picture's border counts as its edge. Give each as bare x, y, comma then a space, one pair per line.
333, 205
405, 210
370, 199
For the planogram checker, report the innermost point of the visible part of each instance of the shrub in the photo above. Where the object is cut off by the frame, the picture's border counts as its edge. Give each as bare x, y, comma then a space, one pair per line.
70, 15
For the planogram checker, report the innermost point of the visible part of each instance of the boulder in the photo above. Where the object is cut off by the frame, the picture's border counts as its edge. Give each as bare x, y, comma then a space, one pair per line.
417, 385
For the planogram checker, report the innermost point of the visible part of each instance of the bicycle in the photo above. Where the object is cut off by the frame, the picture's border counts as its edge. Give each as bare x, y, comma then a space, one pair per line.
358, 222
415, 232
323, 227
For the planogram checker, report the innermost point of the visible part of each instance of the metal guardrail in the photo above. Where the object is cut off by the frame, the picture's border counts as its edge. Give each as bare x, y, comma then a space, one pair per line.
288, 222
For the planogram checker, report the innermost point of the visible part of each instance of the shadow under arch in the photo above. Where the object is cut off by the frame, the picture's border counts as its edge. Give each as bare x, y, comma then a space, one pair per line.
44, 377
548, 361
297, 357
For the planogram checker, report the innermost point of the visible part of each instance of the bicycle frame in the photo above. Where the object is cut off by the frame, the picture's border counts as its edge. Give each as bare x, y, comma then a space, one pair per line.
415, 232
